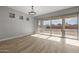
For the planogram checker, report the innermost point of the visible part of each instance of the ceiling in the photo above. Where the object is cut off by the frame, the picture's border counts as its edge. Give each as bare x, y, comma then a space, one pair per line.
40, 10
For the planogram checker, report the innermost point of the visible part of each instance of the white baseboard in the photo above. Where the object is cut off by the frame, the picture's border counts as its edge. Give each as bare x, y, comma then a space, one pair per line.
17, 36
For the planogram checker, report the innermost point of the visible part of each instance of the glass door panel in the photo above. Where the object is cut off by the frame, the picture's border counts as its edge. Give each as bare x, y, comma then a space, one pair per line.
46, 27
71, 27
56, 26
39, 26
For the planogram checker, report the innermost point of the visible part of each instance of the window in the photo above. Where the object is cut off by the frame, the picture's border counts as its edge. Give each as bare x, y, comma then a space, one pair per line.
56, 27
71, 27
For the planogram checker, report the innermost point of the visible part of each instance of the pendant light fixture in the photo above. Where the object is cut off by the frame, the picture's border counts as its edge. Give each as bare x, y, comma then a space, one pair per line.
32, 12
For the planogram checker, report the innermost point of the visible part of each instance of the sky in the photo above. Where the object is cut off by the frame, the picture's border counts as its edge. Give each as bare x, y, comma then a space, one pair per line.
71, 21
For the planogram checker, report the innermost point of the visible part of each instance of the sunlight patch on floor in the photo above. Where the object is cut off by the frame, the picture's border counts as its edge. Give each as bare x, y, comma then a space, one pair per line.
40, 36
57, 39
72, 42
45, 33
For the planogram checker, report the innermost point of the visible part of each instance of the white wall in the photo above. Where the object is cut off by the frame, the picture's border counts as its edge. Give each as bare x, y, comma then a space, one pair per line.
14, 27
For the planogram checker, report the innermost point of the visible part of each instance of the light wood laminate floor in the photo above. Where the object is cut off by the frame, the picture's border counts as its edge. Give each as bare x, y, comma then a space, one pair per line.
39, 44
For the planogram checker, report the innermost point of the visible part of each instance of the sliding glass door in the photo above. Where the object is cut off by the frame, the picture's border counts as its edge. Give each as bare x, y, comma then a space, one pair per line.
38, 26
62, 27
71, 27
46, 27
56, 26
